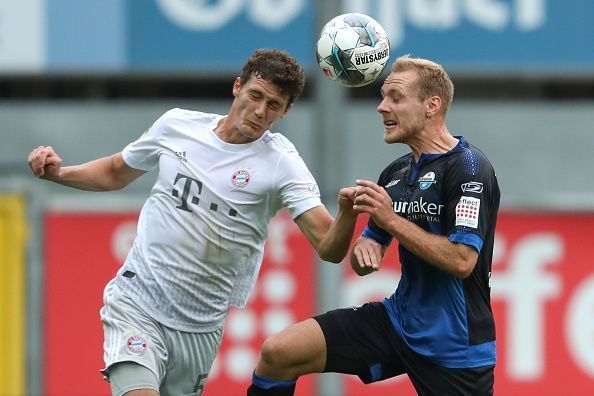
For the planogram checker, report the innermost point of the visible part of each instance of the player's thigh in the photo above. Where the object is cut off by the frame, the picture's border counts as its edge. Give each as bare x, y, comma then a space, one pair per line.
131, 336
297, 350
359, 342
190, 359
132, 379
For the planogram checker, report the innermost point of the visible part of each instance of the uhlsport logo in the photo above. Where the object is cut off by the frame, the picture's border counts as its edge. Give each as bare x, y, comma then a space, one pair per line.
241, 178
137, 344
472, 187
426, 181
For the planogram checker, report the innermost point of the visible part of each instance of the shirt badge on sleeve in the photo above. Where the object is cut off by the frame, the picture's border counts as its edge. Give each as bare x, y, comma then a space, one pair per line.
472, 187
467, 212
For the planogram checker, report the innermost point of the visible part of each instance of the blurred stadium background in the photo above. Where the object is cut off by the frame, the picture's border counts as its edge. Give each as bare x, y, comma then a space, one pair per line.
87, 77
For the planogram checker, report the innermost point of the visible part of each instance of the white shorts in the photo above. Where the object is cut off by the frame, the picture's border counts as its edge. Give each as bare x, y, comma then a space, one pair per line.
180, 361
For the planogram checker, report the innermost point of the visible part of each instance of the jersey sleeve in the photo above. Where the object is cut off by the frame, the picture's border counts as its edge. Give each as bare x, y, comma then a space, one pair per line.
471, 192
298, 189
144, 152
373, 231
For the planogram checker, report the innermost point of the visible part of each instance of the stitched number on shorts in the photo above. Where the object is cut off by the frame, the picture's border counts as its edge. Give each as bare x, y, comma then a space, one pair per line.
200, 383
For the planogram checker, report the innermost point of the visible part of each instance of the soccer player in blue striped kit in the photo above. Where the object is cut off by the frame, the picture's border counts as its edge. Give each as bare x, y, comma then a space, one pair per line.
440, 202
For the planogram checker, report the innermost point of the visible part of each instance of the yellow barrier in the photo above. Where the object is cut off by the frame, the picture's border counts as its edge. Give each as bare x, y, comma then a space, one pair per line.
12, 294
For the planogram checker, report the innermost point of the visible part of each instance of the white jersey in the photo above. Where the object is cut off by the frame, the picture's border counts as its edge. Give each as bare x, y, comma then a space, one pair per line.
201, 232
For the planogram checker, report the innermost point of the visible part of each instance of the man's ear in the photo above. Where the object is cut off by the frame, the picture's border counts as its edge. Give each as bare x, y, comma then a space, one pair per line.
236, 86
289, 107
433, 106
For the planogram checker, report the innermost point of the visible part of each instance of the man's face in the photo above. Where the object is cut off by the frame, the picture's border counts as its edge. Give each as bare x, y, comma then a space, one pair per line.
258, 105
404, 114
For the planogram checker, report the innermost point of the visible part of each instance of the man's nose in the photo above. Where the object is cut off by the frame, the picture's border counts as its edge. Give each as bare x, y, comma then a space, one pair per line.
381, 107
260, 109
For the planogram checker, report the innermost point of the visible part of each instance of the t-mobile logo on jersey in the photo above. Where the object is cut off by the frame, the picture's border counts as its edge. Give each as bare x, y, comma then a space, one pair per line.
195, 199
186, 191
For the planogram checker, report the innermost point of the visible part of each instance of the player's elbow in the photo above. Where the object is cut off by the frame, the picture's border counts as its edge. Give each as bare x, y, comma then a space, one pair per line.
462, 260
464, 265
463, 271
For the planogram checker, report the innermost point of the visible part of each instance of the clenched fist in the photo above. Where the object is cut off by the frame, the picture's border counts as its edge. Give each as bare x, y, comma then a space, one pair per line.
44, 162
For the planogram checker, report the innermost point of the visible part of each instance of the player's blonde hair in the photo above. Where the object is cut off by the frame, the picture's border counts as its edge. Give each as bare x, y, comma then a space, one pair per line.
433, 79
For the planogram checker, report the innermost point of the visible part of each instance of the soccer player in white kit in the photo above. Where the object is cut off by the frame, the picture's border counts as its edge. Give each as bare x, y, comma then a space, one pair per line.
201, 232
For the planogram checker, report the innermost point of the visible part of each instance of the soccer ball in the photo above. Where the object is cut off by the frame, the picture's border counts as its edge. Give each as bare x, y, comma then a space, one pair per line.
353, 49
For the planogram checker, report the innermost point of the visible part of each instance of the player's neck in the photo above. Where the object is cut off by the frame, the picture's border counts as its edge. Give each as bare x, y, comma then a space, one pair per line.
435, 141
229, 133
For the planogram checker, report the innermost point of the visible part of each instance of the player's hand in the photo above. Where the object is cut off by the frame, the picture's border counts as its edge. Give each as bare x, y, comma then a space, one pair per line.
368, 254
373, 199
44, 162
346, 199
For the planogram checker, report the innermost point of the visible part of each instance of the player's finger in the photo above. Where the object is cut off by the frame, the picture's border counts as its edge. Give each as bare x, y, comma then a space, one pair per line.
359, 257
372, 261
37, 161
365, 261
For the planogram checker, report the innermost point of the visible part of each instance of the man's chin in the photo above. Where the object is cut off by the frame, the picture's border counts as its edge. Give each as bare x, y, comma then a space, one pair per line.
391, 138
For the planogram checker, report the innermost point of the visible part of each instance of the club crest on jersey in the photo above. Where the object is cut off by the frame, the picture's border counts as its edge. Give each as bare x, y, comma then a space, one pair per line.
241, 178
137, 344
426, 181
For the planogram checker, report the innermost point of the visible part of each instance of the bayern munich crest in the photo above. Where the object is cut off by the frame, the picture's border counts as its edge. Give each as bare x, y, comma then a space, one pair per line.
241, 178
137, 344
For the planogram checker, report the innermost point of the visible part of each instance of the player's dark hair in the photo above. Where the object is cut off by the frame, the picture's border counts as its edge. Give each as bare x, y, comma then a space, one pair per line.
277, 67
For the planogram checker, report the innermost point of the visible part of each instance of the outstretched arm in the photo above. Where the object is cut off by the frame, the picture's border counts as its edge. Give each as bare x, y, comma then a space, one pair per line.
331, 237
104, 174
456, 258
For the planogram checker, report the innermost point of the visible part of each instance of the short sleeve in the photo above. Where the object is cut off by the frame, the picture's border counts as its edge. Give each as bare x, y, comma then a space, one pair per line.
472, 198
298, 189
144, 152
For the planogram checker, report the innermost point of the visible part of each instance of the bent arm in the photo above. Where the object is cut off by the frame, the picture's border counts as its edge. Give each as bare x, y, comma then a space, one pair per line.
330, 237
104, 174
456, 258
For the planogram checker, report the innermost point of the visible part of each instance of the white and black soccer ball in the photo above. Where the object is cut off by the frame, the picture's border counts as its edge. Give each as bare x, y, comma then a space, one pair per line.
353, 49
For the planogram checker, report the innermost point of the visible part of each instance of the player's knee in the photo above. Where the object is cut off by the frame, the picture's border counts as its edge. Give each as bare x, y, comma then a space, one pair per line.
274, 352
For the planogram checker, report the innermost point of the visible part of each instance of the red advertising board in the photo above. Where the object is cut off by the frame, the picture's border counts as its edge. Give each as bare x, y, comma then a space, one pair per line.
542, 293
83, 252
543, 301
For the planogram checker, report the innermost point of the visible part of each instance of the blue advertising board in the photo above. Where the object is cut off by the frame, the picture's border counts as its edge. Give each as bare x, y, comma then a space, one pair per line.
208, 36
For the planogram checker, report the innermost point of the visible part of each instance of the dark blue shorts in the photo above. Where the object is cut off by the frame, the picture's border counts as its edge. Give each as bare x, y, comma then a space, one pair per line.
362, 341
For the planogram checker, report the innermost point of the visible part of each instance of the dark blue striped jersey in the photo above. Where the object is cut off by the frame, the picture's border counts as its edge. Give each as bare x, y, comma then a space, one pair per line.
447, 319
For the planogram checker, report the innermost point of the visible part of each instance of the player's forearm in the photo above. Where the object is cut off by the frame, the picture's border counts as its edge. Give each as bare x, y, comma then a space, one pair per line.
335, 244
97, 175
434, 249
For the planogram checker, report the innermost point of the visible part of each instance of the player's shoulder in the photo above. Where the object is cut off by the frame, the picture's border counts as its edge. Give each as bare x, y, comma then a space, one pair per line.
469, 150
470, 158
278, 142
189, 115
